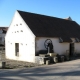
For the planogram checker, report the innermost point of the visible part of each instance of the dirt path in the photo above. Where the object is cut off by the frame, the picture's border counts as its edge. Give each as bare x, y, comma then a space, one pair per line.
60, 71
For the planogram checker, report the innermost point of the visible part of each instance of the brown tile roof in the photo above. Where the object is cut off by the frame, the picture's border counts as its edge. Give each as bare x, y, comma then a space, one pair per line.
47, 26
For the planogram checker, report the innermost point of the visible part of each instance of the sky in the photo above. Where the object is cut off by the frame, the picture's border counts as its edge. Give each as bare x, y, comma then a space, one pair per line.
55, 8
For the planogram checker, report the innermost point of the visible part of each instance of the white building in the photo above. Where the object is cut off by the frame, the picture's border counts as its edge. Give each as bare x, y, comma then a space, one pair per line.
28, 31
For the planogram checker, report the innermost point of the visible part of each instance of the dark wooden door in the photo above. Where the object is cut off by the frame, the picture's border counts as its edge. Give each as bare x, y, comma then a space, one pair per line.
71, 49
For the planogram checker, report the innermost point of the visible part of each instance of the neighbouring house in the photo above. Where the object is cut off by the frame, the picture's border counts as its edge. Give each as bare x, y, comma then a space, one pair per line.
28, 31
3, 31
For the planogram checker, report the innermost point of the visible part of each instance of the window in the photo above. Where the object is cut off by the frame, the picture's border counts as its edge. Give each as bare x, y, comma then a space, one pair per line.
21, 30
21, 43
16, 49
77, 40
60, 40
3, 48
0, 39
20, 24
16, 24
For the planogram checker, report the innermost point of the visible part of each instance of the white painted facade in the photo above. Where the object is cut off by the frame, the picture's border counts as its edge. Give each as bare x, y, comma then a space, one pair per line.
59, 48
26, 40
19, 32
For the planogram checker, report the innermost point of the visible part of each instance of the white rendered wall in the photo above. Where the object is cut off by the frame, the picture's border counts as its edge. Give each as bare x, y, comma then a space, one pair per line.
76, 46
59, 48
26, 40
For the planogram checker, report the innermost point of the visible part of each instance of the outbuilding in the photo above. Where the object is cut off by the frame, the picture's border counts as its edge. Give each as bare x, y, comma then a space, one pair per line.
28, 32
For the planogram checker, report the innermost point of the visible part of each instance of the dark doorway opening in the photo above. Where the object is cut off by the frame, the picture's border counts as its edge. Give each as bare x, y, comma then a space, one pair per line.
16, 49
71, 49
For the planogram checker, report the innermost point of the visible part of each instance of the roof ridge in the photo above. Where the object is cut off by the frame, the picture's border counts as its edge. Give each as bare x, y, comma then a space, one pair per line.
48, 26
41, 15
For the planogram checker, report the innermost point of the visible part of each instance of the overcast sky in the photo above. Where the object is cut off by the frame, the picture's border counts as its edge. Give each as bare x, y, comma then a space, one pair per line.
56, 8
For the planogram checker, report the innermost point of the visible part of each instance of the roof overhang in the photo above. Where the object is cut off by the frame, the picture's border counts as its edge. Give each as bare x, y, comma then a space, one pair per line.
69, 40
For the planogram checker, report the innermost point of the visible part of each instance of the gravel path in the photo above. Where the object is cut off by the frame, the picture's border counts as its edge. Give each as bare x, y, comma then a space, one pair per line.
16, 64
60, 71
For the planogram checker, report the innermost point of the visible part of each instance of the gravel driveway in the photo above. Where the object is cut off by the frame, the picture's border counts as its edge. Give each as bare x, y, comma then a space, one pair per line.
60, 71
